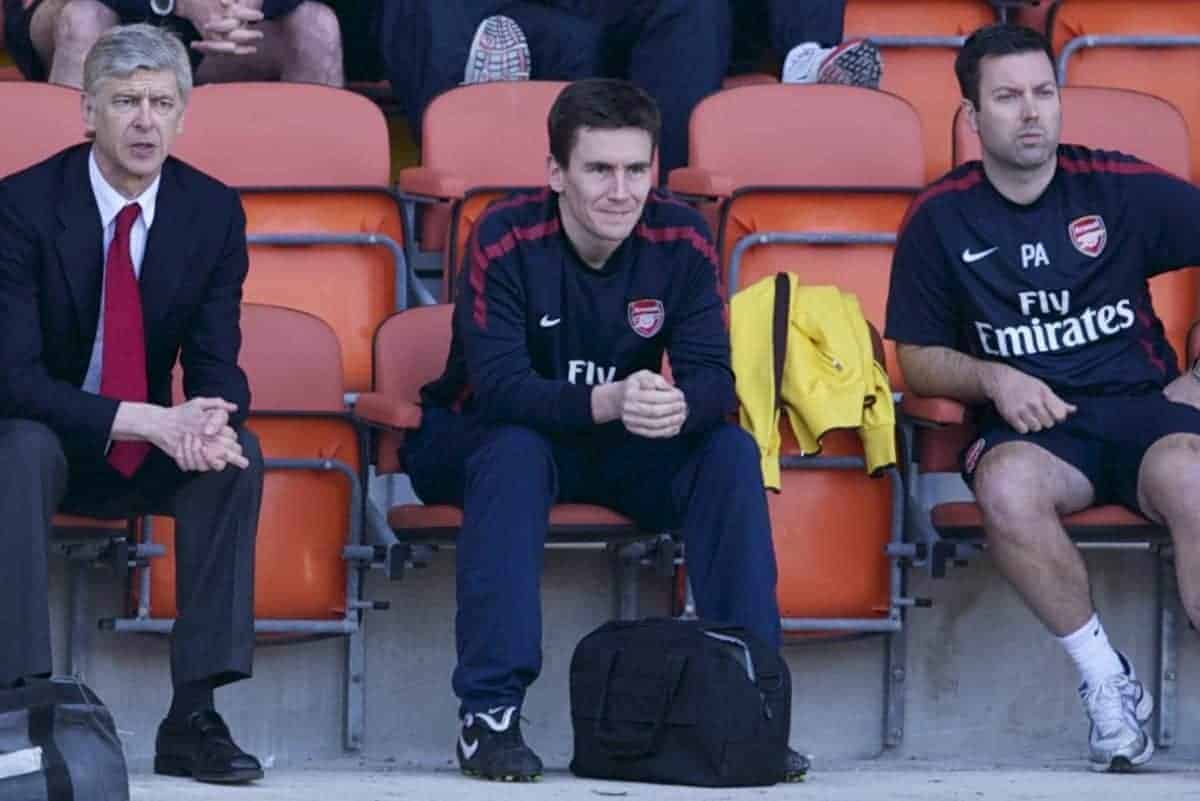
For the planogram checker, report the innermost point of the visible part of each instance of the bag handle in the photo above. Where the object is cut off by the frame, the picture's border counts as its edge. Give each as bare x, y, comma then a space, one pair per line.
618, 746
41, 733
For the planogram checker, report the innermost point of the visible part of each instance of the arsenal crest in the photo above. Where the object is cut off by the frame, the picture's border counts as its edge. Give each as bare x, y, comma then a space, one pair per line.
1088, 235
646, 317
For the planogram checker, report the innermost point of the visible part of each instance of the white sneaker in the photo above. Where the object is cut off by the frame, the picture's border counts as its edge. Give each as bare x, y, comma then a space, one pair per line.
1118, 708
499, 52
855, 63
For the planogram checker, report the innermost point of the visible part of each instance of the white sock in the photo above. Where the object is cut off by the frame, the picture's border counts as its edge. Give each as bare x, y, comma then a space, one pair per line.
1093, 655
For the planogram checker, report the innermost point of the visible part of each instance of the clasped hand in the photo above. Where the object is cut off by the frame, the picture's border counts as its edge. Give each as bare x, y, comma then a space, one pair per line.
651, 406
225, 25
197, 435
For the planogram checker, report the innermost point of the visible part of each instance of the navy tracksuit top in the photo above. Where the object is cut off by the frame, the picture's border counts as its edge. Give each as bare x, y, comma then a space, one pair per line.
536, 328
1056, 288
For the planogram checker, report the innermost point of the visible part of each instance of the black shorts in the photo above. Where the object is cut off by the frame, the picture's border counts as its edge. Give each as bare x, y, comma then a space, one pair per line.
1105, 439
19, 43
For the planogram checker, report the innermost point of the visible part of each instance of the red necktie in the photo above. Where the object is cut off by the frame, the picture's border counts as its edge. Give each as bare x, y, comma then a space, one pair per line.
123, 357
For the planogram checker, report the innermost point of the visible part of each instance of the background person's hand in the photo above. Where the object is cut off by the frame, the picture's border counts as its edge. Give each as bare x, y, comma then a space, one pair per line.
226, 26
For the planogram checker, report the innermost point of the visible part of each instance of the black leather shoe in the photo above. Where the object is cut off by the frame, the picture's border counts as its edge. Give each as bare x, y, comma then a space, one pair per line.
795, 766
201, 747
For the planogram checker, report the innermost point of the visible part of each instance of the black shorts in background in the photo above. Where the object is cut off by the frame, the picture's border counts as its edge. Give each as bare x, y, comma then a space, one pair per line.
19, 44
17, 41
1105, 439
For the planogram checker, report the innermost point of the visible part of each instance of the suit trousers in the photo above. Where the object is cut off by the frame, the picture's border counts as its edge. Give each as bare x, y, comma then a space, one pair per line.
216, 519
706, 485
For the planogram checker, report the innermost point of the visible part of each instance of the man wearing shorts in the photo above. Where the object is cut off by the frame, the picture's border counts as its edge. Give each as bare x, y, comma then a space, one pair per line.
229, 40
1020, 284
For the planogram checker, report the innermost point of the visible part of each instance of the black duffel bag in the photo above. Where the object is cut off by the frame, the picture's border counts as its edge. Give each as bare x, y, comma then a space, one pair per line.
679, 702
58, 743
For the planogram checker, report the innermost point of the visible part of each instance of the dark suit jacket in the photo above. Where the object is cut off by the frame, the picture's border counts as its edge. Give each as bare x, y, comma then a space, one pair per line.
51, 274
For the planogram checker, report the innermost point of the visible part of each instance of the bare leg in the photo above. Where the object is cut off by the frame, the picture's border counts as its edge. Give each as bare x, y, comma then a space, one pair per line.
1023, 490
63, 31
304, 46
1169, 493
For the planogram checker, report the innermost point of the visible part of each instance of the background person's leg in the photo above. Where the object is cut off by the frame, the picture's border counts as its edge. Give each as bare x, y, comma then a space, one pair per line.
793, 22
64, 32
676, 50
563, 46
424, 46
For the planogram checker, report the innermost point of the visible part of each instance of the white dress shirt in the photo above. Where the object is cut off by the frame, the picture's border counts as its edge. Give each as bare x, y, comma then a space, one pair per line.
110, 202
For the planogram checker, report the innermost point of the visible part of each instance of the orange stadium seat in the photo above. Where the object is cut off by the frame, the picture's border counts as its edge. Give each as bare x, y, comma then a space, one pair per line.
804, 186
1149, 45
50, 120
326, 234
1112, 119
806, 162
310, 557
477, 142
410, 350
919, 40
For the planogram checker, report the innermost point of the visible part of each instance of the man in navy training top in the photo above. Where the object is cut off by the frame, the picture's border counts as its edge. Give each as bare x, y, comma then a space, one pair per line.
1020, 284
567, 300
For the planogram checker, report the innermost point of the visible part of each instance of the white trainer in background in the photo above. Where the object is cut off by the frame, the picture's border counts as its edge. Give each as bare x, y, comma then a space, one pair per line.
855, 63
499, 52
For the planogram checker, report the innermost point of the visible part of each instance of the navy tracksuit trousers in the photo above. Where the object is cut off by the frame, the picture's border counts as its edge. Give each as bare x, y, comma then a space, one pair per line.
677, 50
707, 486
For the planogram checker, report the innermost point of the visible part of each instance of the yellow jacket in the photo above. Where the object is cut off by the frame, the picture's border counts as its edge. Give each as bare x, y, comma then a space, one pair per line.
830, 376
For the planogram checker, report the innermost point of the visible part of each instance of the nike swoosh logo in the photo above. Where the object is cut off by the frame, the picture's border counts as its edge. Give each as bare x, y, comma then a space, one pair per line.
468, 750
549, 322
971, 258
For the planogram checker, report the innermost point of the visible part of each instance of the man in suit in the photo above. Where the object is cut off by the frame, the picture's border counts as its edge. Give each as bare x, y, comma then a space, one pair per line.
115, 261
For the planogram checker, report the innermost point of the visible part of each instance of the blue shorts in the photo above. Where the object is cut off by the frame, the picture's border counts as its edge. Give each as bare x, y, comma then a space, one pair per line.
1105, 439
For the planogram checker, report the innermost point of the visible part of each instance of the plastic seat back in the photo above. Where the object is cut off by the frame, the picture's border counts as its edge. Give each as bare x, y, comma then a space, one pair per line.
1167, 72
285, 134
839, 184
830, 550
410, 351
44, 119
919, 40
805, 159
292, 360
490, 135
350, 286
308, 160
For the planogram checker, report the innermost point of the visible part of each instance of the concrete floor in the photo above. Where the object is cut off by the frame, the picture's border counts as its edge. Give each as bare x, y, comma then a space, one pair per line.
894, 780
